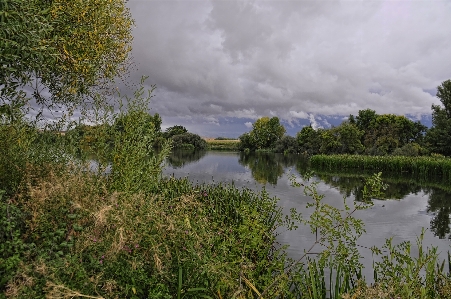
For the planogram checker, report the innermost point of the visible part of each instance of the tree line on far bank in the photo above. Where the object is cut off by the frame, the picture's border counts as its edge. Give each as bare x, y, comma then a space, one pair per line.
366, 133
86, 135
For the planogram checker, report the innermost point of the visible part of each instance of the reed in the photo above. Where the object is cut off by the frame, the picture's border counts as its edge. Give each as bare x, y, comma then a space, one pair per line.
418, 166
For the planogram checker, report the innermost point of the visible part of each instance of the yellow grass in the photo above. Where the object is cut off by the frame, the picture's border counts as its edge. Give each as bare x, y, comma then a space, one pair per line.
213, 141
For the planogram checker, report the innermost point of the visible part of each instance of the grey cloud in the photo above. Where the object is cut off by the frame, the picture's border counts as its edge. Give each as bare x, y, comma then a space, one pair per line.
212, 59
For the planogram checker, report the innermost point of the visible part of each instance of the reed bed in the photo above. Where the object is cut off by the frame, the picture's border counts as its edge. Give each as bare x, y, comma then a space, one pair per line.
418, 166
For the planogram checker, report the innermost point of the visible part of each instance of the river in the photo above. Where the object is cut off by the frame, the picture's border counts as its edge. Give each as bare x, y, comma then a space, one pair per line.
408, 205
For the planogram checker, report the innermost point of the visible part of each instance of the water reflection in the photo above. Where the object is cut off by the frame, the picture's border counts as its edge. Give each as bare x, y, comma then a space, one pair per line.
439, 204
400, 186
180, 158
269, 168
265, 167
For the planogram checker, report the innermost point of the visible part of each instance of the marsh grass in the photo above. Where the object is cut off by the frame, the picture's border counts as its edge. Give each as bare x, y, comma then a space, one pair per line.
418, 166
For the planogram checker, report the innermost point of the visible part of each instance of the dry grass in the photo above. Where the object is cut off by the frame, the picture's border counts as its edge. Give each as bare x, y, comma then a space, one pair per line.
55, 291
214, 141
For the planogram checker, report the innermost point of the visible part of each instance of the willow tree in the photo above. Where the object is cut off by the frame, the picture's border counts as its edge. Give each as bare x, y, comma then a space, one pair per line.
62, 50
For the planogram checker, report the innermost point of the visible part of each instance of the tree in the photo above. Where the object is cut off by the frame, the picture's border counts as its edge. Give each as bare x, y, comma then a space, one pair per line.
174, 130
439, 136
189, 141
266, 132
68, 48
287, 145
153, 122
365, 118
309, 140
344, 139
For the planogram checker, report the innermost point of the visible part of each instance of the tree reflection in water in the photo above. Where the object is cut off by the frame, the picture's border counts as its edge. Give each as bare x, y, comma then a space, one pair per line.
399, 186
269, 167
180, 158
439, 203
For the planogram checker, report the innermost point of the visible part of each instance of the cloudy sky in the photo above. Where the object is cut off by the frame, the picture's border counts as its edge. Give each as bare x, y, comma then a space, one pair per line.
220, 65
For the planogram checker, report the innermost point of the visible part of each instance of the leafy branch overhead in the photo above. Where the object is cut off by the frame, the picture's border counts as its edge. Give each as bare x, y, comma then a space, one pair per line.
69, 47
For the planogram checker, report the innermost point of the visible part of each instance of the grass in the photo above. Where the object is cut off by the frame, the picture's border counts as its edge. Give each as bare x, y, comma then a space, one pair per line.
222, 145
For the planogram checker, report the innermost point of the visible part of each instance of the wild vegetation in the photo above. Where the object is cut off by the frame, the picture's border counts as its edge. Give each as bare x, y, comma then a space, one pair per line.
117, 228
419, 166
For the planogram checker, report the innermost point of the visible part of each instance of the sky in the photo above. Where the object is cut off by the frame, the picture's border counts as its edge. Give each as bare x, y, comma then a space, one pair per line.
219, 65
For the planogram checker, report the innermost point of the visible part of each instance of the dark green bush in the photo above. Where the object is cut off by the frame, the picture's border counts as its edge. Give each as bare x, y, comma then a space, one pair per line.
189, 141
287, 144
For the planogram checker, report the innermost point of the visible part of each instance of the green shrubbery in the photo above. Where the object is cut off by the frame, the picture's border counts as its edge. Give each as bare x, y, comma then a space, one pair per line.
189, 141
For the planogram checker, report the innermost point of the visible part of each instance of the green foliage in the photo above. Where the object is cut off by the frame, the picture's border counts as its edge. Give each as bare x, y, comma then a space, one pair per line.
189, 141
287, 145
409, 150
408, 277
309, 140
439, 136
11, 245
419, 166
246, 143
69, 47
264, 134
381, 135
174, 130
136, 167
336, 231
364, 119
223, 144
344, 139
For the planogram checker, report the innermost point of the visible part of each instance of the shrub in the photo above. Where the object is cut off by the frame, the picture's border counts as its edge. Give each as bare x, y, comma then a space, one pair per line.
189, 141
287, 144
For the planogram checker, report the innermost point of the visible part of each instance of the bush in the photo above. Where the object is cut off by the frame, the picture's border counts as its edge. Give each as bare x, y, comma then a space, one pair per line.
189, 141
408, 150
287, 144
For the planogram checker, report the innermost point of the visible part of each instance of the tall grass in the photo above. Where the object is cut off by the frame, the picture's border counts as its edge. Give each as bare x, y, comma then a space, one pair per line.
419, 166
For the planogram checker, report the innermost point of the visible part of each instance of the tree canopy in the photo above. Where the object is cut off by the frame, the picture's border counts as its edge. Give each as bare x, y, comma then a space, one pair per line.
64, 47
439, 136
264, 134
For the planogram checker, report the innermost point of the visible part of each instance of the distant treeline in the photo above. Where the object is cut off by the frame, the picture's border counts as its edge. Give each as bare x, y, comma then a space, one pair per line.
87, 136
366, 133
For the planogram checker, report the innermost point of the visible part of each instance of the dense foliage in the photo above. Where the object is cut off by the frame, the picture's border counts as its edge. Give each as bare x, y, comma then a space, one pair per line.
439, 136
70, 48
264, 134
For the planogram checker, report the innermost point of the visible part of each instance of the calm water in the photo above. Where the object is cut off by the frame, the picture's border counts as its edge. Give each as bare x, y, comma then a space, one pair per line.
408, 206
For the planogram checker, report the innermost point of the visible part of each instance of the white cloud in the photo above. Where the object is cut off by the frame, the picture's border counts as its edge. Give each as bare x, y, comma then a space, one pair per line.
315, 125
248, 124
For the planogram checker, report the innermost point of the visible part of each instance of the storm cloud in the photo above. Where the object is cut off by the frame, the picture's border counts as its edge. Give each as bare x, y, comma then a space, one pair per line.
219, 65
